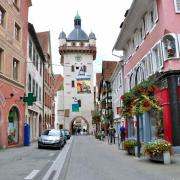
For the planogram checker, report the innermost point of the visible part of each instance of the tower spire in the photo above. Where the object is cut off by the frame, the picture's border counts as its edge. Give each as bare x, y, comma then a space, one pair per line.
77, 21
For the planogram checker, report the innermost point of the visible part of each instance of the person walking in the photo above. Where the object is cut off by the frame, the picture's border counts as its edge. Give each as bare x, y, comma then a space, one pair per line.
122, 133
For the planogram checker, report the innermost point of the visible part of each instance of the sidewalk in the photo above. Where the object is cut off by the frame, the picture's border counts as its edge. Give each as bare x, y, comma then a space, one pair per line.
175, 158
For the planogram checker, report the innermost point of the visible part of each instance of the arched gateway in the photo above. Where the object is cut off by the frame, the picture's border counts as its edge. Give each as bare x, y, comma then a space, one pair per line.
79, 122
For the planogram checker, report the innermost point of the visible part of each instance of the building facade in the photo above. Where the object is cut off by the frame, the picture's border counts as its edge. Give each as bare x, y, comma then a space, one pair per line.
117, 85
77, 52
34, 84
48, 95
149, 39
13, 53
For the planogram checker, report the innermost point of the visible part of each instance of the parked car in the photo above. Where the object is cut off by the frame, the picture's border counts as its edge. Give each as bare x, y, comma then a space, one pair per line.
67, 133
51, 138
64, 136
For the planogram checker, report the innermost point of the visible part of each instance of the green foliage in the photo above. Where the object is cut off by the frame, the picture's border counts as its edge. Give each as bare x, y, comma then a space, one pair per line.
129, 144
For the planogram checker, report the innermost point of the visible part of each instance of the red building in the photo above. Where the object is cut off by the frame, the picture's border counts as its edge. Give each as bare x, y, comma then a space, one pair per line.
13, 53
149, 39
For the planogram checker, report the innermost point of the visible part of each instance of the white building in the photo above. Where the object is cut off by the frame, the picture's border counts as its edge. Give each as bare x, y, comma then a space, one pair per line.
117, 91
34, 84
77, 54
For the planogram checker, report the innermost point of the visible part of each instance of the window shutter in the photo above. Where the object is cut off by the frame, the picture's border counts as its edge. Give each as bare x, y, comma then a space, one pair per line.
155, 9
177, 5
72, 68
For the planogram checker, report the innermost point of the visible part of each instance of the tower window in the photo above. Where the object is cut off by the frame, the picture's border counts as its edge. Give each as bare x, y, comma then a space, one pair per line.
1, 59
72, 84
72, 68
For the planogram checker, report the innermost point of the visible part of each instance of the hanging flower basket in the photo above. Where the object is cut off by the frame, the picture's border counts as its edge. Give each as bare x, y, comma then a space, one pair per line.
140, 99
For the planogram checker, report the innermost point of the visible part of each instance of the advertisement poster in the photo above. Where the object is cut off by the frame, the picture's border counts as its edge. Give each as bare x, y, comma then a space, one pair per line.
84, 85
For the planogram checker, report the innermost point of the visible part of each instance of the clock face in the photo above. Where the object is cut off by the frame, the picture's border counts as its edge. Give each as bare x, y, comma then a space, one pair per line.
78, 58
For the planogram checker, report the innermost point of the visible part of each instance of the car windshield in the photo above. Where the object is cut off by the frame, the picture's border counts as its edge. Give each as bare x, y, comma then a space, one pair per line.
51, 133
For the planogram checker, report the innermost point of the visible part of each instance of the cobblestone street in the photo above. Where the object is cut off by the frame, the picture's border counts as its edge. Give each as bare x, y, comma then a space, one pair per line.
91, 159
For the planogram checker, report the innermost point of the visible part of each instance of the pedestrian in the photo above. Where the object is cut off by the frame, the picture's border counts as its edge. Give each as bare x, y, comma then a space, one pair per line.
122, 133
112, 133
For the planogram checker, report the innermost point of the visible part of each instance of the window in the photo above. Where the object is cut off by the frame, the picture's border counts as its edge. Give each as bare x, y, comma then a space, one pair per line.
40, 68
2, 16
85, 68
39, 93
29, 83
15, 69
34, 84
16, 4
131, 81
34, 56
157, 57
17, 32
37, 61
139, 75
72, 68
30, 49
72, 84
148, 65
177, 6
37, 90
1, 59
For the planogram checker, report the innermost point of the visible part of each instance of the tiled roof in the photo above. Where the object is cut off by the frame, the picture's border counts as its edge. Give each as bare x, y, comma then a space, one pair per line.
44, 40
107, 69
58, 82
98, 78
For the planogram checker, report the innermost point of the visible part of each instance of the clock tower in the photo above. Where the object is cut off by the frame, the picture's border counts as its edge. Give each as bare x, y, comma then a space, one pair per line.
78, 51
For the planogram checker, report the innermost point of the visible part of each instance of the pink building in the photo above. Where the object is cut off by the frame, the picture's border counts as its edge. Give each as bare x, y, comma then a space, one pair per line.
150, 41
13, 53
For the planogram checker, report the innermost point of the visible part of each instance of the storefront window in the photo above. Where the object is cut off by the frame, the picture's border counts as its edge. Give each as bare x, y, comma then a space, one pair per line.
13, 126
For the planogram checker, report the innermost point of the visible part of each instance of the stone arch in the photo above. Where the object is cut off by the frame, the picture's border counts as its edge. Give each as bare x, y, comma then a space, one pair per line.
75, 118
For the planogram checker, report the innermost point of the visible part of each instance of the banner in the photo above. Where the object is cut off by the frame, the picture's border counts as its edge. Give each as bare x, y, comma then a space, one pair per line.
84, 85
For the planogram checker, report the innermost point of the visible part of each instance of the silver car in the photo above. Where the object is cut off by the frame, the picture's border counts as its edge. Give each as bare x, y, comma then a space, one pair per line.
51, 138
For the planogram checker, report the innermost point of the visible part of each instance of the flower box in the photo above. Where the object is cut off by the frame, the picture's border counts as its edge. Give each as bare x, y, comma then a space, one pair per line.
159, 150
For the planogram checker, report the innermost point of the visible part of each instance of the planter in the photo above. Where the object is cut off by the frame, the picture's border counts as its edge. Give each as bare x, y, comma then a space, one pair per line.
165, 158
131, 151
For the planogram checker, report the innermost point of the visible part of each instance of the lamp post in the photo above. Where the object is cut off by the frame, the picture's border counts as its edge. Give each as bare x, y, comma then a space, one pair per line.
138, 137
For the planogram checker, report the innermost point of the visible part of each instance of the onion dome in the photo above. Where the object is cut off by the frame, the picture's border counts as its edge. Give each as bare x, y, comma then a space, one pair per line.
92, 36
62, 35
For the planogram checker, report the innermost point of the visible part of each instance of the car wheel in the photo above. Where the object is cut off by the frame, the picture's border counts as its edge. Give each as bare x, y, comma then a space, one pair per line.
39, 147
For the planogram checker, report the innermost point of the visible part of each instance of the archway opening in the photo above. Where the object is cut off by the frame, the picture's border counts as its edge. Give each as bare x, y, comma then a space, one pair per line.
79, 125
13, 126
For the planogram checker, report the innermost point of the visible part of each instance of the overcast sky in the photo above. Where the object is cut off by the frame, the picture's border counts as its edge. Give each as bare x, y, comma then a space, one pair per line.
102, 17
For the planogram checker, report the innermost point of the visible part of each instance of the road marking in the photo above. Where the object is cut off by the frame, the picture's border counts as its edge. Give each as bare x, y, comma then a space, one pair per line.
58, 163
32, 174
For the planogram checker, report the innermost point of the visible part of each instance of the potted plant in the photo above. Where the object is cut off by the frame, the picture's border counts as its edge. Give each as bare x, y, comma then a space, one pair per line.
159, 150
129, 146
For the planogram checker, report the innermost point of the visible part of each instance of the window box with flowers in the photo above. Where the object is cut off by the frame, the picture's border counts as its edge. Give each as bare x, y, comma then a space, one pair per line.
159, 150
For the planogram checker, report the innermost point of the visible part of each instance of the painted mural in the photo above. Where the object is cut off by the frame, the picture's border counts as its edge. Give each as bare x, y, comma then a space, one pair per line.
83, 85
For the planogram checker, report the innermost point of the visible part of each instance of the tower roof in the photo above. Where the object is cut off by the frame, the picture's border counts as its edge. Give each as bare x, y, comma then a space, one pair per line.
77, 33
62, 35
92, 36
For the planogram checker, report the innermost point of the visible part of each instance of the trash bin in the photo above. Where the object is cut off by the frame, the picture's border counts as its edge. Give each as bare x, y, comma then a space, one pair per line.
26, 134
